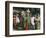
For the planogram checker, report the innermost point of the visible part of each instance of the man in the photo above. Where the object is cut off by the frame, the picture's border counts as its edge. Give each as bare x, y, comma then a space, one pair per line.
16, 21
37, 22
32, 23
27, 24
21, 24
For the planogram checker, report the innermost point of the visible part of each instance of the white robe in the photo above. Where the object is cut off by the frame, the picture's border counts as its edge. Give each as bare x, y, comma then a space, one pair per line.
17, 19
32, 20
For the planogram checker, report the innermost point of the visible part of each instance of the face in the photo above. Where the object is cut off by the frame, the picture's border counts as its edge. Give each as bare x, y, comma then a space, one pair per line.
22, 13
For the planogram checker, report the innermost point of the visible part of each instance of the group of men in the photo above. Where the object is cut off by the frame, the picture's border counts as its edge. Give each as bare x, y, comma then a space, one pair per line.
26, 21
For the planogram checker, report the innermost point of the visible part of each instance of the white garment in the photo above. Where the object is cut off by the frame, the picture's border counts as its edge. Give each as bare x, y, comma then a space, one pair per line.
32, 20
17, 19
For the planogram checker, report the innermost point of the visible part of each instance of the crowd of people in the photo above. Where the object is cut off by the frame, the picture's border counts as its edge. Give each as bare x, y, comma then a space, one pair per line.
24, 20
